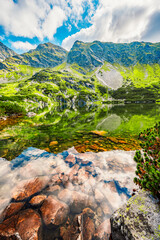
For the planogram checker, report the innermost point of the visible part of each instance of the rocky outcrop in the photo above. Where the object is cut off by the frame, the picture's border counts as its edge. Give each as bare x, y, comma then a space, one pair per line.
138, 219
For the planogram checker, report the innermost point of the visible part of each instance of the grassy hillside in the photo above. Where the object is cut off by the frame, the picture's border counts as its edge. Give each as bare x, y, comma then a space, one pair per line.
45, 55
140, 82
91, 55
17, 72
49, 88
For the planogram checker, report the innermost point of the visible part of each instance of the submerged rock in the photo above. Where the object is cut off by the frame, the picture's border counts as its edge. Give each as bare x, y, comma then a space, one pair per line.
25, 225
68, 196
11, 209
38, 200
138, 219
29, 187
54, 212
31, 222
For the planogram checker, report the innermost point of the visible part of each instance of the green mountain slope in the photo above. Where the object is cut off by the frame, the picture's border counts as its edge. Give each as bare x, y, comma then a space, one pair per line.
139, 82
47, 89
89, 73
5, 52
91, 55
45, 55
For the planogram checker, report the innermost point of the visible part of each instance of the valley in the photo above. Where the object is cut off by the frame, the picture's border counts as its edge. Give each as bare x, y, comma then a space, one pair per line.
70, 125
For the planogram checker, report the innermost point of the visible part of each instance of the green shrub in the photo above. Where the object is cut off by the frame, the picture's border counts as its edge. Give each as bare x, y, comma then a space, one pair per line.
102, 89
148, 162
10, 108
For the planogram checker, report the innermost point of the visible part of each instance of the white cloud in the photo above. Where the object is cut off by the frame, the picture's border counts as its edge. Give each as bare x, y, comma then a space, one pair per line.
51, 23
117, 21
25, 46
112, 20
40, 18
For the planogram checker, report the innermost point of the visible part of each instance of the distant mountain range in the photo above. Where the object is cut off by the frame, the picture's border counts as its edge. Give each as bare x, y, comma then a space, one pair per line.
90, 55
86, 55
5, 52
45, 55
90, 73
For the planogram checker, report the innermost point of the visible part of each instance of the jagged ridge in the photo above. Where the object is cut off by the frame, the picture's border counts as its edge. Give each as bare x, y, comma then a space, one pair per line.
5, 52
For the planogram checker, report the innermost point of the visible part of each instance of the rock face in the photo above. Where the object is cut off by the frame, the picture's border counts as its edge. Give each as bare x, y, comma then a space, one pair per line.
138, 219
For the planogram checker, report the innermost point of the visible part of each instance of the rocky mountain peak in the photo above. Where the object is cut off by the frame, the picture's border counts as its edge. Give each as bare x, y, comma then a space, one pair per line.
5, 52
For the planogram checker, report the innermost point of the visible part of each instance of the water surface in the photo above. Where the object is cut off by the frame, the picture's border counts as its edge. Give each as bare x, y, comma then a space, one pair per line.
91, 128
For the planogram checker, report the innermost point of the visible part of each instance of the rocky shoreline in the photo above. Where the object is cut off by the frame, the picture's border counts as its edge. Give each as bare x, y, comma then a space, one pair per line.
65, 196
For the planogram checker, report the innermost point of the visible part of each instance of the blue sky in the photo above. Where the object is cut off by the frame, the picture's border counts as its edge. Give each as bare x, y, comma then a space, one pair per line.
26, 23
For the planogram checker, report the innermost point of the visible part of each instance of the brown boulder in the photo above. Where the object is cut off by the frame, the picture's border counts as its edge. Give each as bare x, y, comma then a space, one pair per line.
86, 224
54, 212
29, 225
38, 200
88, 229
25, 225
81, 228
11, 209
28, 188
8, 228
88, 212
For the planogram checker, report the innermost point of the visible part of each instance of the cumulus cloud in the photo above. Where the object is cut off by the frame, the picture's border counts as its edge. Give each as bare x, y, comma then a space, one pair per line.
25, 46
40, 18
110, 20
118, 21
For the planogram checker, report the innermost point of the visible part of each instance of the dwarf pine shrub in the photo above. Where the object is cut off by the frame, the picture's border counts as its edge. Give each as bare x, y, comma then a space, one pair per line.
148, 161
